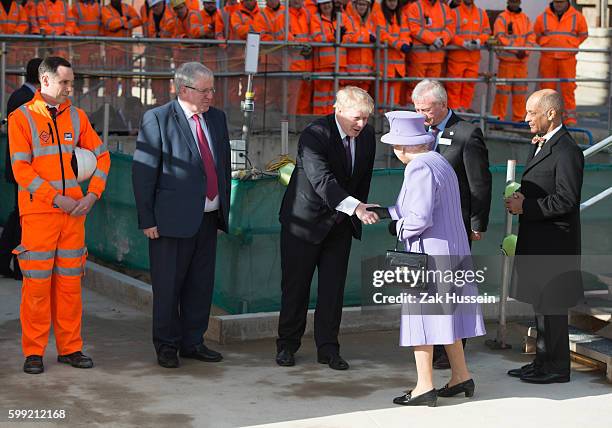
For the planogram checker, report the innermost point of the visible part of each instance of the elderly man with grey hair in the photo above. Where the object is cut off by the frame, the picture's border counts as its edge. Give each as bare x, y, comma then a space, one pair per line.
181, 179
322, 210
462, 144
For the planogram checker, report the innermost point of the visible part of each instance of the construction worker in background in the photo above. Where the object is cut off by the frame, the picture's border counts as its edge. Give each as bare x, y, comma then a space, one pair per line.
512, 28
472, 30
271, 59
30, 8
323, 27
561, 26
55, 19
187, 24
432, 27
119, 20
393, 31
361, 60
212, 20
43, 134
88, 17
159, 24
230, 7
300, 59
13, 20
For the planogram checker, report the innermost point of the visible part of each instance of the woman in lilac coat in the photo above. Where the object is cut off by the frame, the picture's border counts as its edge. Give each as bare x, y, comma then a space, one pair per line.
428, 220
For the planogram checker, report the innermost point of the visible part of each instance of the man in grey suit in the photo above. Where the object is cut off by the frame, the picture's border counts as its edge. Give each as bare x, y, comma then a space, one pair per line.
181, 178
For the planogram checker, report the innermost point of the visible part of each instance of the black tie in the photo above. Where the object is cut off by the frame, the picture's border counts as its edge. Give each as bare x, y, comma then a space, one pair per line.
435, 131
346, 142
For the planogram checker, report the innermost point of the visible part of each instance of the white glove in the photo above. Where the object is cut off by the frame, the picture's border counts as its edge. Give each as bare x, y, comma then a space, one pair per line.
438, 43
476, 43
467, 45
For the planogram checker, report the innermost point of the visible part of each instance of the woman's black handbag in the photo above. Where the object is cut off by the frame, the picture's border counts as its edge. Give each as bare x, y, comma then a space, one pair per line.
415, 263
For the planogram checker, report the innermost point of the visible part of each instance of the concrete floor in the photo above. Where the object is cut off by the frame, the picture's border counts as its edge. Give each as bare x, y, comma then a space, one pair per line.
127, 388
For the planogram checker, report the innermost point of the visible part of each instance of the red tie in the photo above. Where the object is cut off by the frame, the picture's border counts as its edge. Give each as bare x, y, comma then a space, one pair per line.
207, 160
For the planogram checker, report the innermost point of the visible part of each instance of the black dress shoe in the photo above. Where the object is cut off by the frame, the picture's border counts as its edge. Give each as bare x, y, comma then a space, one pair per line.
285, 358
33, 364
167, 358
203, 353
76, 359
441, 363
335, 361
466, 387
429, 398
523, 370
538, 376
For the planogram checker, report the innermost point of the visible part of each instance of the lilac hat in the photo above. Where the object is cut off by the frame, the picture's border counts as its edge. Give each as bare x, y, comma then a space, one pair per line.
407, 129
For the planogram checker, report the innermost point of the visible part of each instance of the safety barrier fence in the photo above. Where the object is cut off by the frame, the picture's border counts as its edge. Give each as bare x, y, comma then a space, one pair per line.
146, 66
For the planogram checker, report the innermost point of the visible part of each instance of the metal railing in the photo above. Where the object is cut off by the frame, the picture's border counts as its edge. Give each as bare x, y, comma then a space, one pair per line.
138, 68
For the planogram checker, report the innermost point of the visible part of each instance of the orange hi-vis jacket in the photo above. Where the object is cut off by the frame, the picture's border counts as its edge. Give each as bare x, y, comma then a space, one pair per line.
116, 25
41, 153
513, 29
88, 18
471, 23
166, 25
269, 17
427, 22
15, 21
55, 18
213, 24
323, 29
395, 36
191, 27
568, 32
360, 60
299, 31
226, 15
246, 21
30, 8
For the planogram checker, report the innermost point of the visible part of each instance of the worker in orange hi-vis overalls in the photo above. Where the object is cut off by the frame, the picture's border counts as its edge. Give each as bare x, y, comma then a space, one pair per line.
214, 29
43, 135
88, 17
361, 60
323, 27
119, 20
512, 28
300, 59
13, 20
55, 19
472, 30
432, 27
561, 26
271, 58
391, 25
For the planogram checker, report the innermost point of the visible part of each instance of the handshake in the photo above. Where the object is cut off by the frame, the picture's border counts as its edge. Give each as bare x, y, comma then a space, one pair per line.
371, 213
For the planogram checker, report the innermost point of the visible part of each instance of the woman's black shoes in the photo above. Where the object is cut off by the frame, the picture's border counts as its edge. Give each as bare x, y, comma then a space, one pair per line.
429, 398
466, 387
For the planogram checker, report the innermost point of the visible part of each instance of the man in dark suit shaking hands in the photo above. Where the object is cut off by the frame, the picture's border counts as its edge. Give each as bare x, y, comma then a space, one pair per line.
547, 263
462, 144
181, 178
321, 212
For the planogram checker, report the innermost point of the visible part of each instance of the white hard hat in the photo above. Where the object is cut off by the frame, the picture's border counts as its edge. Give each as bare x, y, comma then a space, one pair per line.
85, 164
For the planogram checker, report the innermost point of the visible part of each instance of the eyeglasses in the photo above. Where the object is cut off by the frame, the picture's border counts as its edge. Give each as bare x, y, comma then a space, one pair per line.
207, 91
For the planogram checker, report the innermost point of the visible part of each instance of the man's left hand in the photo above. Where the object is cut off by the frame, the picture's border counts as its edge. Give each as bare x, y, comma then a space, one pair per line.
84, 205
514, 204
476, 236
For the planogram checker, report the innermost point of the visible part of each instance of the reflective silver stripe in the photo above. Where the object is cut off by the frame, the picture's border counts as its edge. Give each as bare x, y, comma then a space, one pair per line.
57, 184
100, 174
78, 271
71, 254
76, 124
320, 103
33, 128
37, 274
35, 184
44, 151
20, 248
100, 149
21, 156
36, 255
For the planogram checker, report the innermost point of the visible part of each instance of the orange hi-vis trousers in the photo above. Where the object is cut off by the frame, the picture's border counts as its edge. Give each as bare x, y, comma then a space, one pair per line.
461, 94
511, 70
418, 69
563, 68
52, 257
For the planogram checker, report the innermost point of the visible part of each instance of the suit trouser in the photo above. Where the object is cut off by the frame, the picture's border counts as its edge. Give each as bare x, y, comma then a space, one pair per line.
552, 344
565, 68
299, 259
183, 276
52, 257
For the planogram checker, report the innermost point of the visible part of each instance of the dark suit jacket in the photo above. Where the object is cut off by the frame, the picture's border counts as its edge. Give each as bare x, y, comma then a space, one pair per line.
168, 174
469, 157
550, 226
16, 100
320, 180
